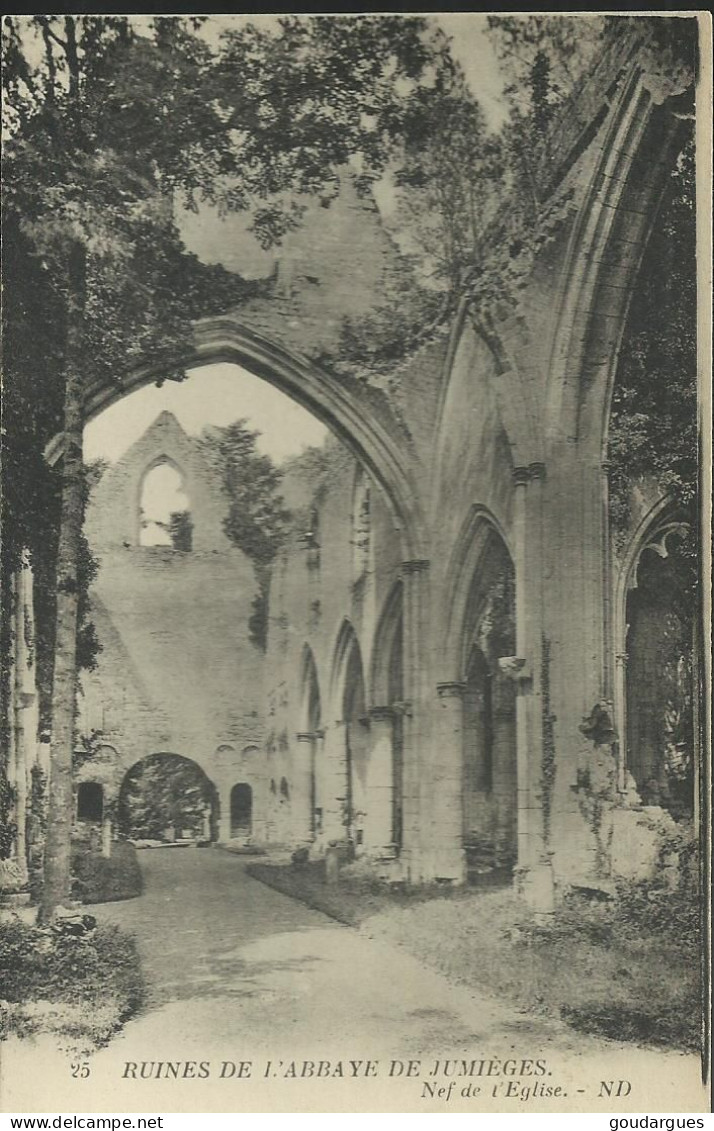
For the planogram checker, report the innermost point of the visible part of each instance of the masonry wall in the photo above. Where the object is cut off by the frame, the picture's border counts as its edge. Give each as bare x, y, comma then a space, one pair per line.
177, 672
316, 590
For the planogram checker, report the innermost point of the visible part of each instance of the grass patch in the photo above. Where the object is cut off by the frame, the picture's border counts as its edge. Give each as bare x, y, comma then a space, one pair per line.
358, 896
82, 988
606, 968
627, 969
101, 879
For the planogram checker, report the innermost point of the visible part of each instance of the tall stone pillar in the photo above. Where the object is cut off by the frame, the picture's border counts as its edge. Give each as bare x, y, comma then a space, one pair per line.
304, 788
505, 775
534, 767
380, 784
523, 722
224, 811
418, 708
334, 779
575, 666
446, 824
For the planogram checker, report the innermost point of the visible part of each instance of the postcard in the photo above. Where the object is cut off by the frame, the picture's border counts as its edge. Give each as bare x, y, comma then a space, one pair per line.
356, 623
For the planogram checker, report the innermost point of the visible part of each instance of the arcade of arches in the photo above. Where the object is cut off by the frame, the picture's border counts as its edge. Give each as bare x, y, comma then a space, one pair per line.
460, 659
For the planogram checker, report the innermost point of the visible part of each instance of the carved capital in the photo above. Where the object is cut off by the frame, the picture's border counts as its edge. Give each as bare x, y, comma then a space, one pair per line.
401, 707
419, 565
452, 690
521, 475
381, 714
515, 668
536, 470
306, 736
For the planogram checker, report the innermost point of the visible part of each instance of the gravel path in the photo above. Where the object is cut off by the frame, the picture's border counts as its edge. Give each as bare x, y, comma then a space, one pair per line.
241, 973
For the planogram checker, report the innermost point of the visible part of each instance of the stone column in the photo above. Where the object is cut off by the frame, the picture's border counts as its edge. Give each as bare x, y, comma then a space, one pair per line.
380, 784
304, 788
224, 809
107, 835
418, 697
535, 779
446, 826
576, 637
335, 796
505, 774
520, 479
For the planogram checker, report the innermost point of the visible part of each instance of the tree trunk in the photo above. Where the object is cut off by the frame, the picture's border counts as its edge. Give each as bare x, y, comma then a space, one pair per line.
56, 889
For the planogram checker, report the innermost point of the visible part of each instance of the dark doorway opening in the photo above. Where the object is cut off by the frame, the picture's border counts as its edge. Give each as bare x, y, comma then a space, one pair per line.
241, 810
90, 801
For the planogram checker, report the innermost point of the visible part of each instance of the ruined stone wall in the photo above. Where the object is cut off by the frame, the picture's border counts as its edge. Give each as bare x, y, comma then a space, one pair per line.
498, 421
316, 587
177, 672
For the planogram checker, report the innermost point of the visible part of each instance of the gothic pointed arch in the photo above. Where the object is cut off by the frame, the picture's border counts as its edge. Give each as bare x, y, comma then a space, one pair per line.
607, 243
656, 697
361, 417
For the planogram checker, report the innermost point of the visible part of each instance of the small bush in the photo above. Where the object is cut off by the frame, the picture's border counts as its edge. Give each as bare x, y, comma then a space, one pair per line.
94, 979
101, 879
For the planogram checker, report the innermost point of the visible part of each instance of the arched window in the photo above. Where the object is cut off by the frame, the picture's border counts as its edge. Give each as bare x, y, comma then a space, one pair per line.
164, 509
90, 801
361, 526
659, 681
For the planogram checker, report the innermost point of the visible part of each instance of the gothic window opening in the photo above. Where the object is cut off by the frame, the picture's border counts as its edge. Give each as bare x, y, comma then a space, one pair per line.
164, 509
361, 527
660, 677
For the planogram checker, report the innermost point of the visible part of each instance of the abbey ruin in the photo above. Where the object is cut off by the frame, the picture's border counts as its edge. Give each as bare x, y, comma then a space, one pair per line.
462, 661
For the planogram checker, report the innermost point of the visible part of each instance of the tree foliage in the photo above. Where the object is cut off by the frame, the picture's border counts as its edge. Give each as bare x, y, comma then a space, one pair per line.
164, 791
653, 420
257, 521
111, 120
452, 163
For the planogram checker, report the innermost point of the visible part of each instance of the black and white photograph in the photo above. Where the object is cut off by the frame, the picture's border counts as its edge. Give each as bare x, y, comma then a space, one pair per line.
355, 574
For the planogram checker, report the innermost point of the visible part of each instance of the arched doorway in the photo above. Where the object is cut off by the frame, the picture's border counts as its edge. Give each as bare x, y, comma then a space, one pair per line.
348, 756
489, 713
241, 810
310, 763
354, 715
168, 797
386, 762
